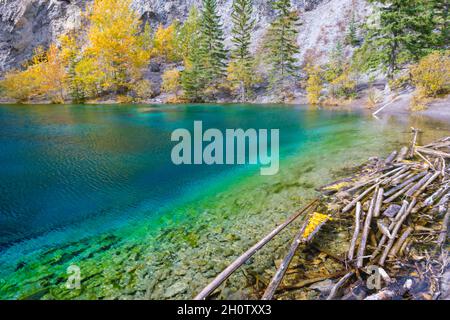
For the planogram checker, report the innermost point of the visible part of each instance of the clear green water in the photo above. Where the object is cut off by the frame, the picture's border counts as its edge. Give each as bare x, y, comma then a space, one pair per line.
94, 186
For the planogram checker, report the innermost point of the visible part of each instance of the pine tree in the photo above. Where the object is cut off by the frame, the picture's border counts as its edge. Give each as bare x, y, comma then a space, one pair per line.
440, 9
403, 34
193, 76
187, 36
282, 45
352, 37
212, 50
240, 68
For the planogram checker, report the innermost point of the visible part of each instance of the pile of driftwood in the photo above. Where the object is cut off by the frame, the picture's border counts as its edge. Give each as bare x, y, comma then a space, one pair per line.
400, 211
400, 208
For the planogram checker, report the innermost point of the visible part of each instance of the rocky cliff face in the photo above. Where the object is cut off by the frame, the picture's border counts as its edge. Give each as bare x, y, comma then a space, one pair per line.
26, 24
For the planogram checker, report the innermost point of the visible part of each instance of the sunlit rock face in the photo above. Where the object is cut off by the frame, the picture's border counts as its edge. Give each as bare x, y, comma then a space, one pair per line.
26, 24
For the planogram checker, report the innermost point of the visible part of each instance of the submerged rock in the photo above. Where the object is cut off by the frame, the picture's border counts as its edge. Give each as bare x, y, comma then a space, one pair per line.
323, 286
177, 288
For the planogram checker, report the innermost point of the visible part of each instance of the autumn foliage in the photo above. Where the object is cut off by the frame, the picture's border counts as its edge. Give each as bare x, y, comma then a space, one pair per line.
111, 61
432, 74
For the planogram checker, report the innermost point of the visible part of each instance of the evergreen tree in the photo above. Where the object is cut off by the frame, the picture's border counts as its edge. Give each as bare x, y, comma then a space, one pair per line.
352, 37
193, 76
212, 51
439, 9
402, 34
240, 69
282, 45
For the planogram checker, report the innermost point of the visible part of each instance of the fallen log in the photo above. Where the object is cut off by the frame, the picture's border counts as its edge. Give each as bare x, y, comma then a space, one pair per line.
400, 241
385, 238
399, 193
402, 154
395, 231
378, 203
426, 184
405, 183
365, 234
279, 274
250, 252
391, 157
351, 250
339, 284
434, 153
413, 143
376, 180
308, 282
443, 234
361, 196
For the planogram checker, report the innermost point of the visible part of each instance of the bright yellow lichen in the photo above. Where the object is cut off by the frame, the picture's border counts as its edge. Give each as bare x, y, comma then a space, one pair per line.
314, 222
337, 186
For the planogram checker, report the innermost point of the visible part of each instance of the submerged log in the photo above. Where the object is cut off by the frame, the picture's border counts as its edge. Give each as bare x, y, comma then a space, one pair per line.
339, 284
400, 241
279, 274
250, 252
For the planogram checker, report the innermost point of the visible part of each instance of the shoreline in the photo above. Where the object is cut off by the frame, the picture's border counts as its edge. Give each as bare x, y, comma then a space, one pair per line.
439, 108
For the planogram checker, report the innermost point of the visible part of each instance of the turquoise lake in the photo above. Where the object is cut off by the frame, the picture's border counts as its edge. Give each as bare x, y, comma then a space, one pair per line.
95, 186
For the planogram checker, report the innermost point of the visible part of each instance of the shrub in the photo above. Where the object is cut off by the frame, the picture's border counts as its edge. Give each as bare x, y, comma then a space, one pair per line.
343, 85
171, 81
143, 90
374, 97
432, 74
18, 85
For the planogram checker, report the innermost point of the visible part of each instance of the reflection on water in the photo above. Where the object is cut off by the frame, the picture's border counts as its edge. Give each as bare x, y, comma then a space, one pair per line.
69, 173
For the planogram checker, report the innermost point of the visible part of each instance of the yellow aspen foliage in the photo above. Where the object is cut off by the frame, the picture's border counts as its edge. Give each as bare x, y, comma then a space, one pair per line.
164, 45
171, 81
314, 222
143, 90
343, 85
88, 76
52, 75
314, 84
18, 85
117, 44
431, 75
44, 76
